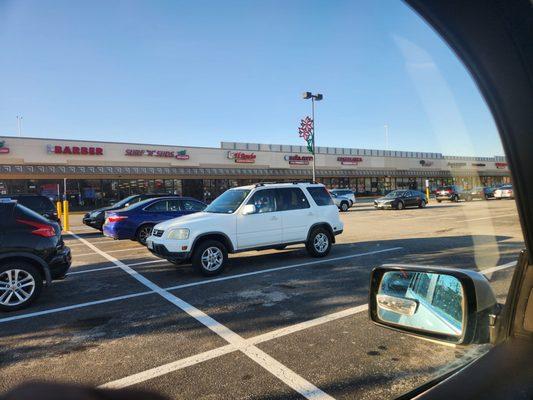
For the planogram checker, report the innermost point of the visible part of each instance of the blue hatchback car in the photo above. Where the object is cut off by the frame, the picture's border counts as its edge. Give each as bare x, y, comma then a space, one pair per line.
136, 221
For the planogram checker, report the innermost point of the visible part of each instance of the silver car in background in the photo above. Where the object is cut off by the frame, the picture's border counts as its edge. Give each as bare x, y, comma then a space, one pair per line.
342, 202
348, 193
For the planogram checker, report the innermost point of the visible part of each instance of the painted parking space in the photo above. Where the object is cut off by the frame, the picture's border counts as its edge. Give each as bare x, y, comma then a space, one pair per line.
275, 324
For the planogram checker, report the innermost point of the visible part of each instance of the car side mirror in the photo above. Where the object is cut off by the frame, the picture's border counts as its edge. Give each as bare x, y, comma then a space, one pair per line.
450, 305
248, 209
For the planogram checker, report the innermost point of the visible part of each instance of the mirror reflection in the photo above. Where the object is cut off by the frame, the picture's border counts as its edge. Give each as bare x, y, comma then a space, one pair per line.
421, 300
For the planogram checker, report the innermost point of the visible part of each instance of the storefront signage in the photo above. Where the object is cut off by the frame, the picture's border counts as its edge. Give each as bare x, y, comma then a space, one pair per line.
241, 157
425, 163
298, 160
3, 148
178, 155
501, 165
478, 165
456, 164
77, 150
349, 160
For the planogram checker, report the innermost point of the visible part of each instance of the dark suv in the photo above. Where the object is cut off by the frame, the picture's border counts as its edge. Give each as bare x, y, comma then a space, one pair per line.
452, 193
96, 218
32, 252
40, 204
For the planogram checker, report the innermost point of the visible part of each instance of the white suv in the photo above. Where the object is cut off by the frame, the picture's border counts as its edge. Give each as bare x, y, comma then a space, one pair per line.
262, 216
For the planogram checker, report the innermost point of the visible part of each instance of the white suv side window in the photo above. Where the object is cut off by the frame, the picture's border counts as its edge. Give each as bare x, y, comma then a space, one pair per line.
291, 199
264, 201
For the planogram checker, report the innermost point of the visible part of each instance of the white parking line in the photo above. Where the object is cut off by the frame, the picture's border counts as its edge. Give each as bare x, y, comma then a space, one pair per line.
274, 269
283, 373
95, 242
113, 251
490, 271
116, 267
170, 367
74, 306
198, 283
491, 217
210, 354
220, 351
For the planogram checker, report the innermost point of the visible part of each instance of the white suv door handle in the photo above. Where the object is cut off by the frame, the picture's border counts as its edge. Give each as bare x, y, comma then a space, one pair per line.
274, 218
310, 213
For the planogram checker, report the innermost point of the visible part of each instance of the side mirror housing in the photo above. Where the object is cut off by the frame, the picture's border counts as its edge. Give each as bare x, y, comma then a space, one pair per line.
445, 304
248, 209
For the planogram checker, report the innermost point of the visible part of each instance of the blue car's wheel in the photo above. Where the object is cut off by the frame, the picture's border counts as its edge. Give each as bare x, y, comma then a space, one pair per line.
143, 233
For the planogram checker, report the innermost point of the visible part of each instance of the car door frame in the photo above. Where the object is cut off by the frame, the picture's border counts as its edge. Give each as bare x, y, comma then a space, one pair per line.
492, 39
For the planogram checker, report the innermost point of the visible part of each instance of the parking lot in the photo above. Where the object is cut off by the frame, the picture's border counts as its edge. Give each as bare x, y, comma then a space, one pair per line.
276, 324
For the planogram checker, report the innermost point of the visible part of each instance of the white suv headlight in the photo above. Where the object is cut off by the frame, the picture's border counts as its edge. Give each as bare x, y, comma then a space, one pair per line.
179, 234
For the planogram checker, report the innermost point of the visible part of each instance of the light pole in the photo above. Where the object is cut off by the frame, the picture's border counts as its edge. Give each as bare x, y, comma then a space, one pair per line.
387, 137
313, 97
19, 123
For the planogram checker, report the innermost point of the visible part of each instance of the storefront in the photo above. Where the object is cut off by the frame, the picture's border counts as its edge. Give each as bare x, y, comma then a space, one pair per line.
97, 173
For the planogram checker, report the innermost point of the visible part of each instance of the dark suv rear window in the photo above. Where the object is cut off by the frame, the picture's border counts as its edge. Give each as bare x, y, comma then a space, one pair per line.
320, 195
22, 212
39, 203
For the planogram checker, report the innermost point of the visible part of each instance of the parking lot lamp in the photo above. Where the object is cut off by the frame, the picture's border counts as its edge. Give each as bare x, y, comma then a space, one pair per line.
313, 97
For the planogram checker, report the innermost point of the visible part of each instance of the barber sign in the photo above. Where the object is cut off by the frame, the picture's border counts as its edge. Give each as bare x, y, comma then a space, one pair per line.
75, 150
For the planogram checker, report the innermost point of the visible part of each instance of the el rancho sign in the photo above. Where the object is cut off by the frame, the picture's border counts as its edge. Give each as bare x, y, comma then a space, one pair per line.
76, 150
242, 157
178, 155
298, 160
349, 160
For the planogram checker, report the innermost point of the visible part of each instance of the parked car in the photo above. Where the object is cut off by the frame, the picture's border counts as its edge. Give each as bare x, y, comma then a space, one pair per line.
40, 204
489, 192
452, 193
400, 199
342, 202
32, 253
136, 221
96, 218
479, 193
504, 192
250, 218
350, 194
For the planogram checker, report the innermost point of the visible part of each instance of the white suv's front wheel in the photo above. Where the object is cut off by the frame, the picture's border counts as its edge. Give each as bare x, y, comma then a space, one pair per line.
210, 257
319, 243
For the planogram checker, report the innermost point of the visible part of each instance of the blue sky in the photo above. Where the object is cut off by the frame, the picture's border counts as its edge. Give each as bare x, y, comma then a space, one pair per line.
201, 72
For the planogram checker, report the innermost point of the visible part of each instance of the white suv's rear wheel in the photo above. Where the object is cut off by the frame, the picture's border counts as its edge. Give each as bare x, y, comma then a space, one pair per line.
210, 257
319, 243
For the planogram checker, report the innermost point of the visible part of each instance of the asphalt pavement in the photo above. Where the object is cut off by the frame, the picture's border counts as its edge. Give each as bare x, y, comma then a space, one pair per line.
275, 325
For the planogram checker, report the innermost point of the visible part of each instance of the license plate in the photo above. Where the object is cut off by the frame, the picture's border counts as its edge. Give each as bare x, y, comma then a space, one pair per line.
149, 244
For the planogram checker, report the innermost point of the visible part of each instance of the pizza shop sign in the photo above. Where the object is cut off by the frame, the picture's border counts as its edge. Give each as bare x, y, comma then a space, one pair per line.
349, 160
242, 157
178, 155
298, 160
76, 150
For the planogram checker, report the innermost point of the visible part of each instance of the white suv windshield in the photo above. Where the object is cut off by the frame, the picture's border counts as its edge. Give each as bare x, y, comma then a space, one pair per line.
228, 201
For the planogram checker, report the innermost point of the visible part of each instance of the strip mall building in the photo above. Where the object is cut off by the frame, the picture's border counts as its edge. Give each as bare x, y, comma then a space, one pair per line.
97, 173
